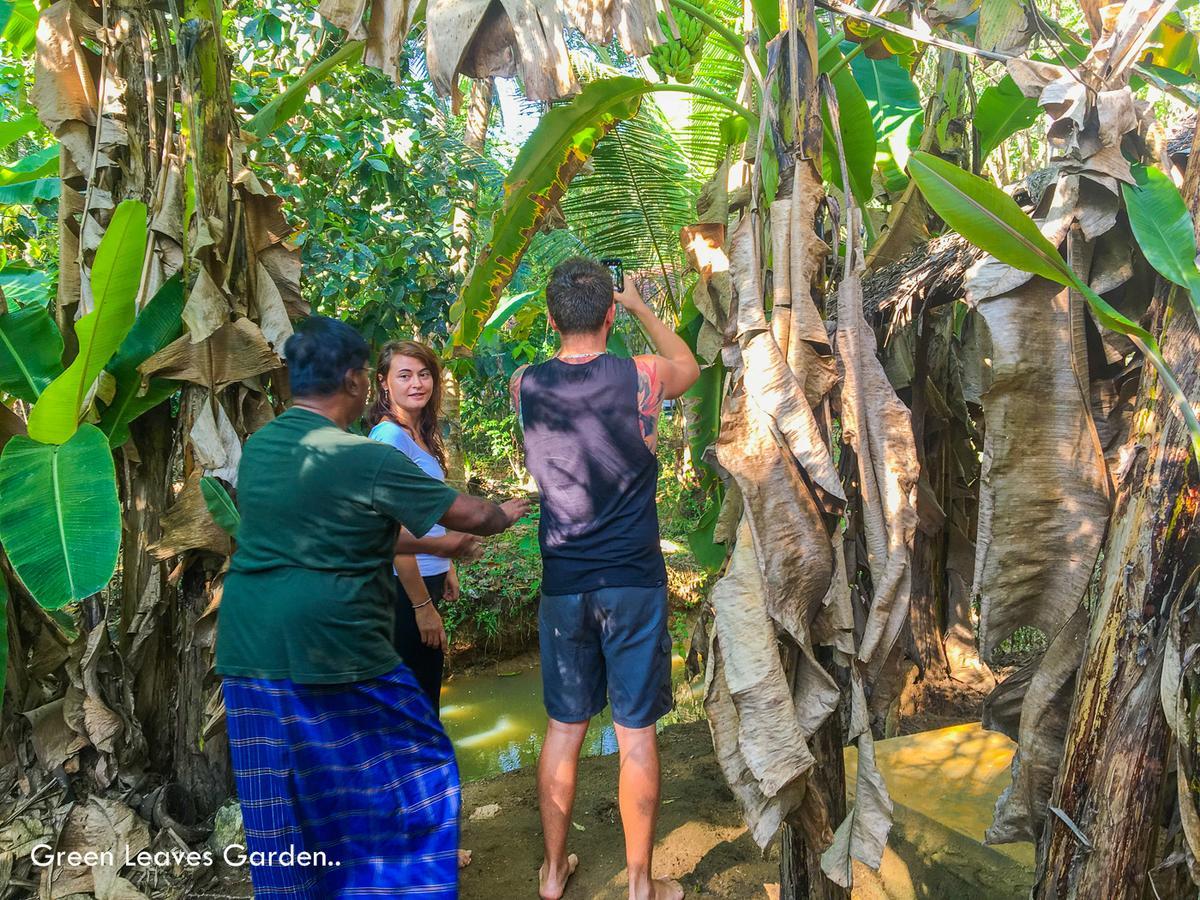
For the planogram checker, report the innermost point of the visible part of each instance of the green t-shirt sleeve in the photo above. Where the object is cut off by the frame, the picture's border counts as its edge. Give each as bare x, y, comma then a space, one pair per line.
404, 493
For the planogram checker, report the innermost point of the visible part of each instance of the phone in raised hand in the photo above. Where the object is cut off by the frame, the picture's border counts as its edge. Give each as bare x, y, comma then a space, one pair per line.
617, 268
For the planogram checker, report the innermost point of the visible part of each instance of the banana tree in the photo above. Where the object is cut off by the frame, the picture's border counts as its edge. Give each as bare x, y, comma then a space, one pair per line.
1090, 776
176, 282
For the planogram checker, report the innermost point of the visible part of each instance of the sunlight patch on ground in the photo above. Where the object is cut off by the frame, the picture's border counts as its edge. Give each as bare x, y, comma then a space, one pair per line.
952, 775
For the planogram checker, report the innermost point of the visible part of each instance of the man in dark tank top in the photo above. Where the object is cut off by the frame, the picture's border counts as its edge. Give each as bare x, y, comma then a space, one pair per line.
590, 423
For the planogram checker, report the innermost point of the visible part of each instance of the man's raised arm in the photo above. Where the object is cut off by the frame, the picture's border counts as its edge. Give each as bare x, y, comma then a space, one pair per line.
677, 367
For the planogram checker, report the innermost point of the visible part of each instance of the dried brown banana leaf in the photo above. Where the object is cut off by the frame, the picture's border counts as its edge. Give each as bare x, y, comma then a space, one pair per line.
1044, 494
233, 352
1038, 696
770, 382
484, 38
769, 736
634, 23
879, 427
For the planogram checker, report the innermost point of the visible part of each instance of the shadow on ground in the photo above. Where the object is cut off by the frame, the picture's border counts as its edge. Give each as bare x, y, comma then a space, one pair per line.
944, 784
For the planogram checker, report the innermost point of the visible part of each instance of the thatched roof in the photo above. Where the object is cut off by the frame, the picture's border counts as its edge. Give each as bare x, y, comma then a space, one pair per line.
932, 273
1179, 141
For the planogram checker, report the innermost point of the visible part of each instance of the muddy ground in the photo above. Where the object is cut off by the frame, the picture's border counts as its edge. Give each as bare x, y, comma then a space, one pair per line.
702, 841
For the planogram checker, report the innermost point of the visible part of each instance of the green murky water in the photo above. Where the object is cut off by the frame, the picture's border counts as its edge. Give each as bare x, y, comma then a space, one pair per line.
497, 721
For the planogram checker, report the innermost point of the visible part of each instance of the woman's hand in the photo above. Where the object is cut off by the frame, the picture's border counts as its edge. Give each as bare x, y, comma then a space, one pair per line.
429, 623
451, 591
460, 545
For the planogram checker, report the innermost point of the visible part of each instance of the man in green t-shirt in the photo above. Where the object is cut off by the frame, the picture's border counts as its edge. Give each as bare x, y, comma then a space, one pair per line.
335, 747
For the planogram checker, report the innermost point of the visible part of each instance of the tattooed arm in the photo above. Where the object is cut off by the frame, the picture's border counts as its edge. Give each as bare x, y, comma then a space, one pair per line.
649, 398
514, 392
676, 366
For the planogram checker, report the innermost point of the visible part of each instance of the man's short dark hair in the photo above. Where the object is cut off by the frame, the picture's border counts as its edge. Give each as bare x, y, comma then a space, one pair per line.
320, 353
579, 295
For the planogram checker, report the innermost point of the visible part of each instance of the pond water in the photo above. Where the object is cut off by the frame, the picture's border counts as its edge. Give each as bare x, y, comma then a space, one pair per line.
496, 719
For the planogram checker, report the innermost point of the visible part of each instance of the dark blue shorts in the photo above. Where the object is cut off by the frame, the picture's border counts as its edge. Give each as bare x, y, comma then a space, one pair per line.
609, 642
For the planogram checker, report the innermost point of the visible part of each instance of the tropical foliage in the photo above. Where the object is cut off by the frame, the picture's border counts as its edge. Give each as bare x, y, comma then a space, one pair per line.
909, 481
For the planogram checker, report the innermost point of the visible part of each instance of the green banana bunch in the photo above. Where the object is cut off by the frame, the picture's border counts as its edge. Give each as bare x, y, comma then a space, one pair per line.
677, 58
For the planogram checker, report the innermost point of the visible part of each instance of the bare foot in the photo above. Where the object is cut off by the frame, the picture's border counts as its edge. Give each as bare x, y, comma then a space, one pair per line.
660, 889
552, 888
464, 858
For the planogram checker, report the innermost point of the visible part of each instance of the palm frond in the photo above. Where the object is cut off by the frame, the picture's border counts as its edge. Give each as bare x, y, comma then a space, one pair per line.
639, 192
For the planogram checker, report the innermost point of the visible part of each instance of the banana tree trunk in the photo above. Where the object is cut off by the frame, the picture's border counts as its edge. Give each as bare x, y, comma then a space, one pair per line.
212, 250
800, 872
1102, 832
149, 603
479, 114
928, 609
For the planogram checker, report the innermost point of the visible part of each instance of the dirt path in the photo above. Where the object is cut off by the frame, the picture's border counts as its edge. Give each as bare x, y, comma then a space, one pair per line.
703, 841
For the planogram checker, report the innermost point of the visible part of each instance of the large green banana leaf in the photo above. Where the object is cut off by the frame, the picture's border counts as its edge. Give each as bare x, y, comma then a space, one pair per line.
18, 25
854, 120
549, 159
60, 521
158, 324
39, 164
116, 271
23, 193
220, 505
23, 286
30, 352
1002, 111
1164, 230
17, 128
895, 105
992, 221
3, 633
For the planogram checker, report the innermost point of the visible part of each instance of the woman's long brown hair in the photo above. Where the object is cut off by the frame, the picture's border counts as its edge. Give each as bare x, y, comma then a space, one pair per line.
428, 425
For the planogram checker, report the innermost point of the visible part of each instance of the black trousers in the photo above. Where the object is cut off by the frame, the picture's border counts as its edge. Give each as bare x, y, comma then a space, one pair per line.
426, 663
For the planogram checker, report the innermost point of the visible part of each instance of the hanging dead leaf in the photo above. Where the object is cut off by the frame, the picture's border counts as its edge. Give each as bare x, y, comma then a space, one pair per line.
634, 23
215, 442
269, 309
53, 740
64, 86
235, 351
483, 38
348, 15
1044, 495
879, 427
770, 383
764, 815
266, 225
283, 262
188, 525
863, 834
1033, 706
207, 308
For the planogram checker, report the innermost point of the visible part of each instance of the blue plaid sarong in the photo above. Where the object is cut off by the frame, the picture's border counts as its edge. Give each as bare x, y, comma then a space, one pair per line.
361, 772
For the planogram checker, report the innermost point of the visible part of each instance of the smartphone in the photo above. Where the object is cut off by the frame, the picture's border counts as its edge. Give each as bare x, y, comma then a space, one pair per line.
616, 267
